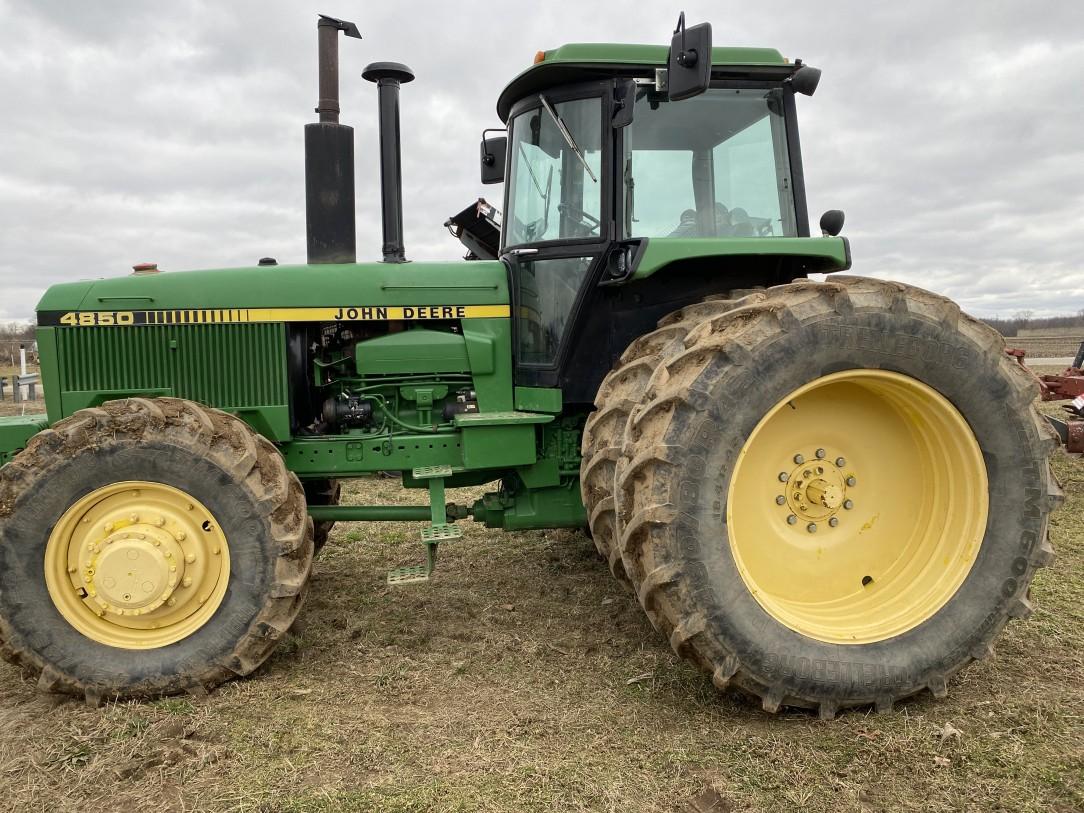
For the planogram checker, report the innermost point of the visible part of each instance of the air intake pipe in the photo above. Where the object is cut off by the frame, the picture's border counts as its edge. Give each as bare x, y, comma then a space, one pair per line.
388, 76
329, 160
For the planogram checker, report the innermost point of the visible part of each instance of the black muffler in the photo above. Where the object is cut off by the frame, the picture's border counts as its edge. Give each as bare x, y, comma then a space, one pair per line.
329, 160
388, 76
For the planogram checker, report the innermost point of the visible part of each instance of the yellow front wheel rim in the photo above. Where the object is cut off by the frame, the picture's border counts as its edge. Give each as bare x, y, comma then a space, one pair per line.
137, 565
857, 506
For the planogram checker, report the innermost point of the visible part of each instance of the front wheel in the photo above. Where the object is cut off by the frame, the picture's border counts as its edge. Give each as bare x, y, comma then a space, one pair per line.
837, 495
148, 547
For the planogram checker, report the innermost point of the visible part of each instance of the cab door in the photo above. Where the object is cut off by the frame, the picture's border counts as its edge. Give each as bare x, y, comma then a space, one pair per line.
557, 219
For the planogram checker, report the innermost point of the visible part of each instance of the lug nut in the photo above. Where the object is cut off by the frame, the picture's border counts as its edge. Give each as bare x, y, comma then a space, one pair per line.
821, 453
851, 481
841, 462
181, 536
848, 504
811, 527
799, 459
783, 477
190, 558
834, 521
780, 500
791, 519
187, 582
133, 518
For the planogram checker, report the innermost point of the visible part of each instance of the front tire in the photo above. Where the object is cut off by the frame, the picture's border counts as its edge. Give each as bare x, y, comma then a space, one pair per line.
741, 458
148, 547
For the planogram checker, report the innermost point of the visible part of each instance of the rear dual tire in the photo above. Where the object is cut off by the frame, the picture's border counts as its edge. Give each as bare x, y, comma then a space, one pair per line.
737, 597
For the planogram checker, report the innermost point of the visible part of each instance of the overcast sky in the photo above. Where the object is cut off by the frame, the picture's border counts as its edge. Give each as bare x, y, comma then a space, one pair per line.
951, 133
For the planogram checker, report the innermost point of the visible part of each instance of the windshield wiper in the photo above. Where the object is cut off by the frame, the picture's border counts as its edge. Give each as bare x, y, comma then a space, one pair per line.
568, 136
534, 179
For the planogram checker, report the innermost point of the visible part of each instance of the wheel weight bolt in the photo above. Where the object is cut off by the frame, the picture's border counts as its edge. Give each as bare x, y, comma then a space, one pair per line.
783, 477
848, 504
821, 453
811, 527
851, 481
841, 462
799, 459
780, 500
834, 521
791, 519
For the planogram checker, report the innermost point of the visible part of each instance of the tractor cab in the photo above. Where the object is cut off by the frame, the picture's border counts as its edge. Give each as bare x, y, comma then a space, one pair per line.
616, 156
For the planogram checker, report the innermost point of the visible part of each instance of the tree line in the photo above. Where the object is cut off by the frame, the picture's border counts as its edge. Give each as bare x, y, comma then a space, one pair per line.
1011, 326
13, 334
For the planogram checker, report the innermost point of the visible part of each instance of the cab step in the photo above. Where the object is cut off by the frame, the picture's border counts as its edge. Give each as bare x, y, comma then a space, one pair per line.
411, 574
437, 532
443, 532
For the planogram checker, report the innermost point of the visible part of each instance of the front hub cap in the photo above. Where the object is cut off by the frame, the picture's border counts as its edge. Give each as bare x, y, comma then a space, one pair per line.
137, 565
857, 506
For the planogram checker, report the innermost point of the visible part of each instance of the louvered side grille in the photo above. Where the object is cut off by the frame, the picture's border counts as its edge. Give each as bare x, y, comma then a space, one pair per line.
227, 366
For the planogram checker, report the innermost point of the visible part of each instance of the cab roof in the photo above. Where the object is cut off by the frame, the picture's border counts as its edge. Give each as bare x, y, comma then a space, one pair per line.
582, 61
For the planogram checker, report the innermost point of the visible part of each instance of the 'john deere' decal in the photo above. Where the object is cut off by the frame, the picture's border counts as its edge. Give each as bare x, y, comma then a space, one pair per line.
353, 313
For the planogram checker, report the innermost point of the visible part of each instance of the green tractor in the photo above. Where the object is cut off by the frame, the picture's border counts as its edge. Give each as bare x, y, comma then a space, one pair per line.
825, 494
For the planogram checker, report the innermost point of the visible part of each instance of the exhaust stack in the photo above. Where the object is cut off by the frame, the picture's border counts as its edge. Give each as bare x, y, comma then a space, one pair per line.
388, 76
329, 159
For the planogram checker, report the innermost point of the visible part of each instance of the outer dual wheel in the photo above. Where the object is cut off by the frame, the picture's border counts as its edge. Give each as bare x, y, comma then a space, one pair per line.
835, 494
148, 547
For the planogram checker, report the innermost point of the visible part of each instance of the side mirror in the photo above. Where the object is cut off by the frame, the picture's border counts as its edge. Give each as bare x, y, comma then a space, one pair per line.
492, 158
805, 80
832, 223
689, 65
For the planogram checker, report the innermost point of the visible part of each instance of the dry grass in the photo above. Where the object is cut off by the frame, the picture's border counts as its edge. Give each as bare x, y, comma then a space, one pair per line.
503, 685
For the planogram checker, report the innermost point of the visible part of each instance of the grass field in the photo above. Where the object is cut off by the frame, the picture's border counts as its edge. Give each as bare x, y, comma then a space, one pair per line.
524, 678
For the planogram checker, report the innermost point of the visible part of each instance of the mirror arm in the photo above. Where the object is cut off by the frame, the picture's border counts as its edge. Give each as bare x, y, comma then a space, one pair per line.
687, 57
487, 157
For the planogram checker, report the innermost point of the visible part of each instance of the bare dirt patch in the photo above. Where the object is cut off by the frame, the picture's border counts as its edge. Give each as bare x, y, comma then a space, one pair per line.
523, 677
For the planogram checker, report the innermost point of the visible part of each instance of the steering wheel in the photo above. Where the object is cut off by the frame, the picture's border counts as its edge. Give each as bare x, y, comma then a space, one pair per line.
588, 221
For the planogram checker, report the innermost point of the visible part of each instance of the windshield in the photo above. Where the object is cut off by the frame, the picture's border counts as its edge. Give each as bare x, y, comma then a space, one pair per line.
712, 166
554, 191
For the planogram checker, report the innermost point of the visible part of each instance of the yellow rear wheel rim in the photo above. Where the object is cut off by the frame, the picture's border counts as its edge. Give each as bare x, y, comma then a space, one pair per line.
137, 565
857, 506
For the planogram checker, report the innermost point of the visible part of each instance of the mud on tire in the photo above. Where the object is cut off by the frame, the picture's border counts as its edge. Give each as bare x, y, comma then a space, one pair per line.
242, 479
322, 492
703, 403
618, 394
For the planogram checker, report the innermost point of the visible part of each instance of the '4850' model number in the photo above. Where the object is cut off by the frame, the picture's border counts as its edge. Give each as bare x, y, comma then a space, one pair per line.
92, 318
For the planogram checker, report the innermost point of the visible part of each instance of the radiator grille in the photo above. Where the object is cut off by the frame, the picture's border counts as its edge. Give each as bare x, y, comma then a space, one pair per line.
226, 366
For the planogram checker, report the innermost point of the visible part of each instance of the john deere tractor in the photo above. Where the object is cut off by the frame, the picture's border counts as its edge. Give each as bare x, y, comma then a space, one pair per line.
824, 493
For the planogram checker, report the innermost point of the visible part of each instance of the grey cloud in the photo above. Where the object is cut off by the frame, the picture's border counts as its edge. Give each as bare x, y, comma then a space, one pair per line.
172, 132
